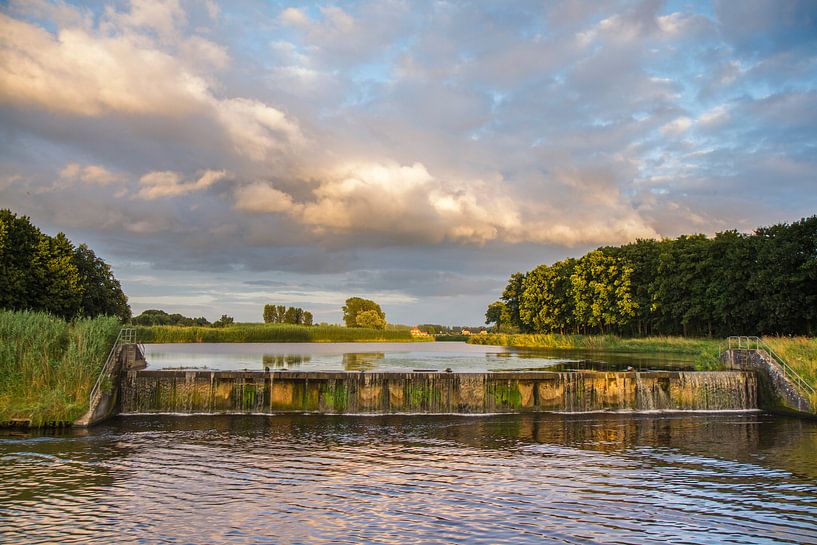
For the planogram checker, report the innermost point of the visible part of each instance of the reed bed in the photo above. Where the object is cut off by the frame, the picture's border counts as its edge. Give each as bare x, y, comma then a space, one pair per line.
268, 333
48, 365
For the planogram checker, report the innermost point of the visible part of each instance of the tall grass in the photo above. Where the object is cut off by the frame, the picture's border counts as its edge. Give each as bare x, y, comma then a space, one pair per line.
48, 365
704, 352
258, 333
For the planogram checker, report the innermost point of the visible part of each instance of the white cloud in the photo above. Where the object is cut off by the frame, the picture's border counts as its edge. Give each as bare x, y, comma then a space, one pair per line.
82, 73
88, 175
158, 184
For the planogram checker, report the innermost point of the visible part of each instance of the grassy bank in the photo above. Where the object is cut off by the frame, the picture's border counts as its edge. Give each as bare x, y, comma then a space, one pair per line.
272, 333
704, 352
800, 353
48, 365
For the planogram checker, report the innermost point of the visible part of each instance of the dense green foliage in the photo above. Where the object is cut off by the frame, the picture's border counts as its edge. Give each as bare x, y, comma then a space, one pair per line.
48, 366
286, 315
160, 317
256, 333
356, 305
39, 272
370, 319
764, 283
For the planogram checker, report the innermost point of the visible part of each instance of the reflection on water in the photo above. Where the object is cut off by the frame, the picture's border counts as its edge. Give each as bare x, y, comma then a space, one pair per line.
397, 479
392, 357
284, 361
354, 361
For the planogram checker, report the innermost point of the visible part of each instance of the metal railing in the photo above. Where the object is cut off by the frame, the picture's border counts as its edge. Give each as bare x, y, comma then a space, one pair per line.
126, 336
739, 342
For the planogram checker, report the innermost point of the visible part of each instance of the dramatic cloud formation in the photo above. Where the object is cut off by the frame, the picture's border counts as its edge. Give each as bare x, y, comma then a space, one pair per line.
416, 151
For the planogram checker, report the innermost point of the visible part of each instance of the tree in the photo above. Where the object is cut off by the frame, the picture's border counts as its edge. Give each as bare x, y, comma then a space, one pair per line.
270, 314
356, 305
547, 304
494, 313
40, 272
370, 319
601, 290
512, 297
224, 321
307, 318
101, 291
291, 316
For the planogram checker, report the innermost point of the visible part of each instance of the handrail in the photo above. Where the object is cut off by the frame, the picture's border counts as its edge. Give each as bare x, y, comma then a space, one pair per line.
126, 336
745, 343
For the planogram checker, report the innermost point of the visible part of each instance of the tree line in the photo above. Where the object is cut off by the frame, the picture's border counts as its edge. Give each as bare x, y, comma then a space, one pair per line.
45, 273
763, 283
280, 314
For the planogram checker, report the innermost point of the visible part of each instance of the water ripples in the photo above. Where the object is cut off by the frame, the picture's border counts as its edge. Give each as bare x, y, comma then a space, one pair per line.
504, 479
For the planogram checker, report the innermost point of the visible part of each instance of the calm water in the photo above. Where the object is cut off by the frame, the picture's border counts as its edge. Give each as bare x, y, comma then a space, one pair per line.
387, 357
739, 478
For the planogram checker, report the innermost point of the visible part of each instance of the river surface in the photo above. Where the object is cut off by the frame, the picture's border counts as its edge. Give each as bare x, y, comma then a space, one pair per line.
601, 478
457, 356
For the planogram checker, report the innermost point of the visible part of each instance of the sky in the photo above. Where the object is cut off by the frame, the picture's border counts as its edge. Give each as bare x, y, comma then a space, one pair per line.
222, 156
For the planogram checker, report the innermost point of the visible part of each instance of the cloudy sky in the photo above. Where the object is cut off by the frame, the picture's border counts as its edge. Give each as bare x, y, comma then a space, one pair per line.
226, 155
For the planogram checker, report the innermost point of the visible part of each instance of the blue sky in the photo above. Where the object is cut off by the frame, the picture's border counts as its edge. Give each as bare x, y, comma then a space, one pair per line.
224, 156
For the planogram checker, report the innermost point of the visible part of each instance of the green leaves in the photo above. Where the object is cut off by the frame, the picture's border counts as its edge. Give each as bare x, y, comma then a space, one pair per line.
765, 283
40, 272
355, 306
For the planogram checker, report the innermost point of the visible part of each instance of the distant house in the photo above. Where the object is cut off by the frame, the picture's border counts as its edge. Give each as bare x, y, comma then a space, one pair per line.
466, 331
415, 332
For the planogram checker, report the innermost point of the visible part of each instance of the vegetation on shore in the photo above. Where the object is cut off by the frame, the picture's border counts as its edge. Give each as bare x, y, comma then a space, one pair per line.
50, 274
704, 352
798, 352
259, 333
763, 283
48, 365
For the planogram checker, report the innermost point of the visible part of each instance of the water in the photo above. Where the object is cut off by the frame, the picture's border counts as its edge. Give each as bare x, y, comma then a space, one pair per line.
737, 478
391, 357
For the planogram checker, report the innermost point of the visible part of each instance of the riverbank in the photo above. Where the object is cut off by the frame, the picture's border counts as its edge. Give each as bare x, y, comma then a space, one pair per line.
799, 352
270, 333
48, 365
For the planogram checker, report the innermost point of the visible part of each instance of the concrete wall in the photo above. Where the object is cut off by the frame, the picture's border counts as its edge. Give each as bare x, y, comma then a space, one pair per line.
775, 391
380, 393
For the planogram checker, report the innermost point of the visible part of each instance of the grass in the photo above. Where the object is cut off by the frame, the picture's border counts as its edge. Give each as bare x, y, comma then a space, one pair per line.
48, 365
800, 353
703, 352
258, 333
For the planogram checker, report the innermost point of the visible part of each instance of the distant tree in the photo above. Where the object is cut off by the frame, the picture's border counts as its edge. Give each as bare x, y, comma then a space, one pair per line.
370, 319
152, 317
307, 318
601, 290
291, 316
280, 313
357, 305
223, 321
270, 314
548, 304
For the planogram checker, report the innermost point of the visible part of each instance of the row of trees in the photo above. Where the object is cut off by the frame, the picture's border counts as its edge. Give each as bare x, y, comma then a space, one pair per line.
280, 314
152, 317
732, 283
40, 272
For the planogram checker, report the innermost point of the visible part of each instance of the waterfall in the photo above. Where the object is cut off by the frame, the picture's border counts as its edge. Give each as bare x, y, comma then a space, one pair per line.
382, 393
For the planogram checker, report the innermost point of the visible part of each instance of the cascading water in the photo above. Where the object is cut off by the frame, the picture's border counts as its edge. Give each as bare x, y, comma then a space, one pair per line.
473, 393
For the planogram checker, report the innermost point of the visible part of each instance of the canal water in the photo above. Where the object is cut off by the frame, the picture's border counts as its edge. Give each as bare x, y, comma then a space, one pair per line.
600, 478
457, 356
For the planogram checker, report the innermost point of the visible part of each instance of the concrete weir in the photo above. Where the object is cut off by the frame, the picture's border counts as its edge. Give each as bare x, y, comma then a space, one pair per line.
262, 392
